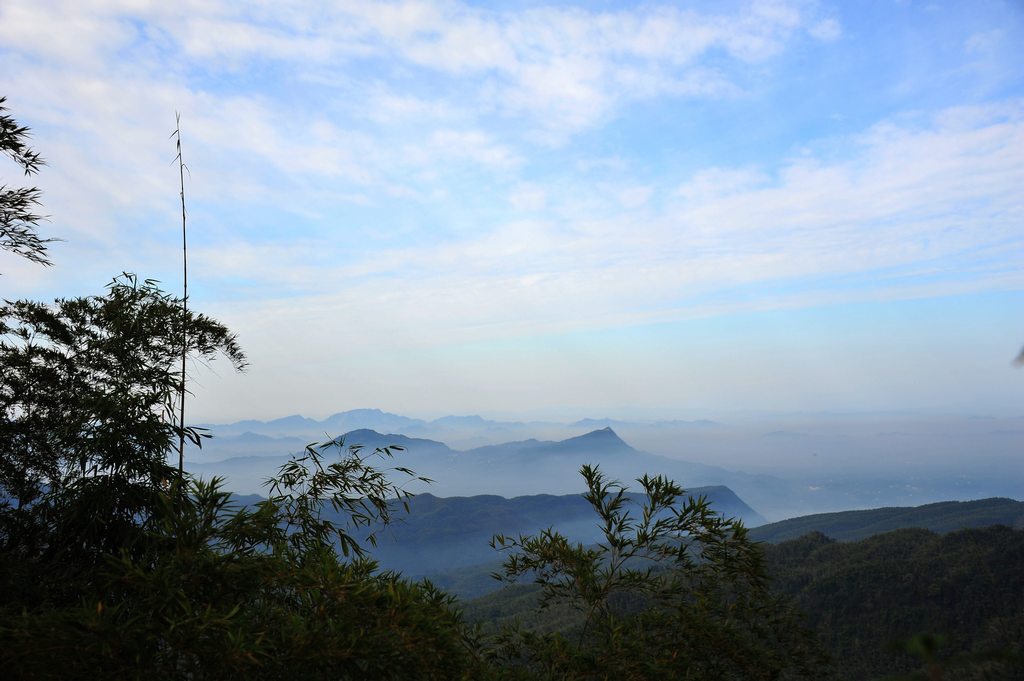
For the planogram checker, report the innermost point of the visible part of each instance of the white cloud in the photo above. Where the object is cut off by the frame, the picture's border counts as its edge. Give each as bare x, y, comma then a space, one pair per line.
474, 145
715, 182
384, 105
566, 68
907, 199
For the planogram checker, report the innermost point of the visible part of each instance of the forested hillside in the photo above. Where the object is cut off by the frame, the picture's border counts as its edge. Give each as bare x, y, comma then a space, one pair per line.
876, 605
861, 598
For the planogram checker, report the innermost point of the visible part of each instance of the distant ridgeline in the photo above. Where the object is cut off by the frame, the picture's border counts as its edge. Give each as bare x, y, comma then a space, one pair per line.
945, 516
511, 469
469, 455
447, 539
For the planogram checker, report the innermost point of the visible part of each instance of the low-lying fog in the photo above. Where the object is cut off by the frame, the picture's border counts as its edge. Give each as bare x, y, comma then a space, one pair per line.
842, 445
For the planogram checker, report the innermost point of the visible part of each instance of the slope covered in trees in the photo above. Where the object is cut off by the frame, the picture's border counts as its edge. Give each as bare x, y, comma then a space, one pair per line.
880, 607
864, 598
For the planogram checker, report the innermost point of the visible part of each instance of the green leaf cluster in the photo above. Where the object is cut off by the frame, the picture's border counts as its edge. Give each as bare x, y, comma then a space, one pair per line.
673, 591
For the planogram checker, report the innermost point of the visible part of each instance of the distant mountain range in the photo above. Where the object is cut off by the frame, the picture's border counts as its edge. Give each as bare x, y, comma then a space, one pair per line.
311, 429
440, 537
805, 466
510, 469
462, 431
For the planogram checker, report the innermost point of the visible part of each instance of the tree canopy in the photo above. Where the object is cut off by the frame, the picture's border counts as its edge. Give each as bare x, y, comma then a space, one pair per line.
673, 590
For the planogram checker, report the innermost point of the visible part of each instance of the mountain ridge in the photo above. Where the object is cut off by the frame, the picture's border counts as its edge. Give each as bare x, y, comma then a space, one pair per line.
785, 469
512, 469
940, 517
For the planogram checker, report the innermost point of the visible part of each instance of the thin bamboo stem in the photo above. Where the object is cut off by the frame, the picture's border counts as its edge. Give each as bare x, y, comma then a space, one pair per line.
184, 300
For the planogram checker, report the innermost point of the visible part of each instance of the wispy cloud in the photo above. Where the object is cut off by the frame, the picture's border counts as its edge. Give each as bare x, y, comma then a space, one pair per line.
568, 68
885, 221
418, 174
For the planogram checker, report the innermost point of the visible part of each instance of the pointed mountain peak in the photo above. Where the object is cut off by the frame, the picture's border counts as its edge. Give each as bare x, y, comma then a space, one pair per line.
603, 437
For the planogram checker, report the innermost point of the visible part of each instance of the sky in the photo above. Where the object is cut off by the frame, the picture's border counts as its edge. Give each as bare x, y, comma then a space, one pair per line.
543, 209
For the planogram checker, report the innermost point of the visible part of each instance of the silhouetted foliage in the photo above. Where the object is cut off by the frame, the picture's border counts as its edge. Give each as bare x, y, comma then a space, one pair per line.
113, 565
18, 221
207, 589
675, 591
85, 399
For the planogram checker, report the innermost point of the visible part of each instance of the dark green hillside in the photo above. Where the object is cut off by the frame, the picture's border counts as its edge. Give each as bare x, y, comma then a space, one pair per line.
945, 516
862, 596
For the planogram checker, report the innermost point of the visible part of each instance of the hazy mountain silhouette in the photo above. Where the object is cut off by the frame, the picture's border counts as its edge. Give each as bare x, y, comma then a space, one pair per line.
314, 430
509, 470
440, 534
786, 469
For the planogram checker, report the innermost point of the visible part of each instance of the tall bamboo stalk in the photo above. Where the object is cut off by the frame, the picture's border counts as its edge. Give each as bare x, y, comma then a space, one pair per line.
184, 299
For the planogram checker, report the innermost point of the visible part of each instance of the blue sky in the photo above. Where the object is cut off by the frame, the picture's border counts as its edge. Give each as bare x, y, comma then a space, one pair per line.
540, 208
